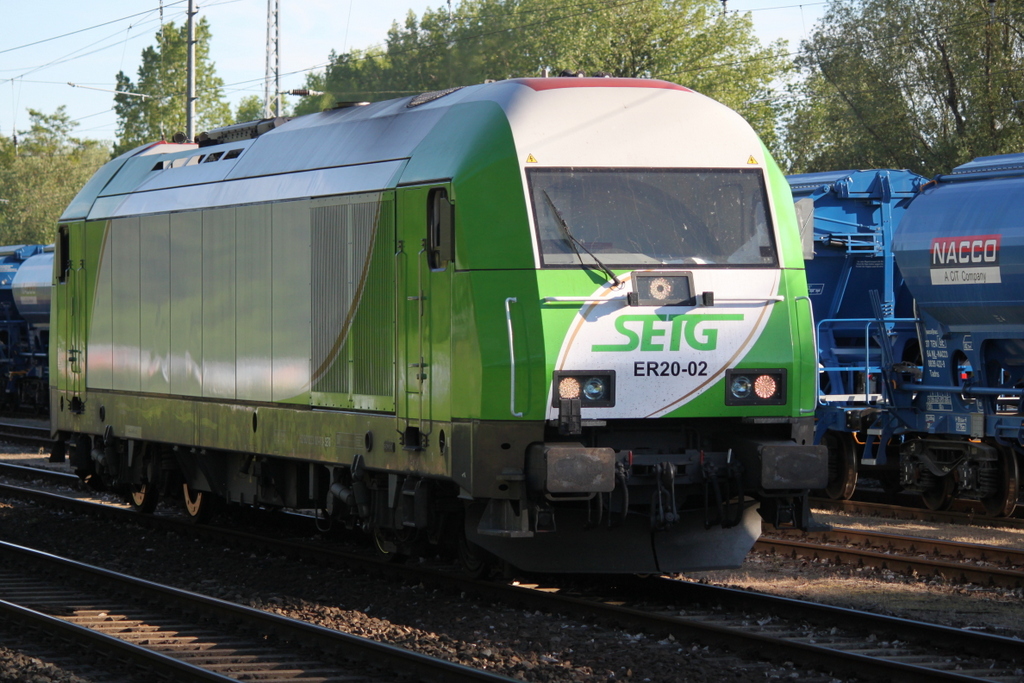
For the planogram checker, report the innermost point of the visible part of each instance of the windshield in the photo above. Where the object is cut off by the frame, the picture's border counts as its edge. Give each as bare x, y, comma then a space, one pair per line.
640, 217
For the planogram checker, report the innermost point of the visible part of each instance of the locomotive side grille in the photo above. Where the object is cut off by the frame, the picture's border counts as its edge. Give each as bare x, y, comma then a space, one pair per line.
352, 355
333, 292
373, 333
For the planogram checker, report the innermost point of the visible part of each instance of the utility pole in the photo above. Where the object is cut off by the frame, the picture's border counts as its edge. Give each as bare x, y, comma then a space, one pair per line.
272, 74
190, 87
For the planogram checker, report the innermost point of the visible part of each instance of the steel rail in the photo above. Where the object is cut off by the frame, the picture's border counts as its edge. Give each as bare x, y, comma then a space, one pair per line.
21, 427
39, 473
222, 611
969, 518
98, 641
25, 433
739, 634
951, 571
916, 545
857, 626
957, 640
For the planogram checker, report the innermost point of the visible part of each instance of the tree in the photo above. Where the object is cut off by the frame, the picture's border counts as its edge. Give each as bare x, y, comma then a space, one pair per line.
687, 41
250, 108
162, 79
907, 84
41, 175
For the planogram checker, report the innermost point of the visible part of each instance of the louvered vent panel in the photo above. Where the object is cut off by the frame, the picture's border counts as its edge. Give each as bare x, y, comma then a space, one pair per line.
332, 297
373, 334
353, 298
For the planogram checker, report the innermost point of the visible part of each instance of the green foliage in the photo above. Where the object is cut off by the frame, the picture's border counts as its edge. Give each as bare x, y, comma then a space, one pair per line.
250, 108
41, 175
162, 76
686, 41
909, 84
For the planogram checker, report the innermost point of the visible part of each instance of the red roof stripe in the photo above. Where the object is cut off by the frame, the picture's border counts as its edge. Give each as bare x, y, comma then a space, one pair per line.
569, 82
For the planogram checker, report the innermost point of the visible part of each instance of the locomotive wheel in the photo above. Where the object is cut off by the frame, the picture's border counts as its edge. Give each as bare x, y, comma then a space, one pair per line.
199, 505
472, 558
85, 468
143, 498
940, 497
1004, 501
842, 466
386, 545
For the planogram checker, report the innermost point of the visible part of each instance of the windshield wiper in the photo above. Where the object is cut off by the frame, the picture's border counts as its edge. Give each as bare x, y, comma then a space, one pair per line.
576, 244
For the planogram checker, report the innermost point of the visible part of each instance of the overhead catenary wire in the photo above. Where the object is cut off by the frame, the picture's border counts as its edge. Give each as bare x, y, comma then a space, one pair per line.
88, 28
566, 12
599, 5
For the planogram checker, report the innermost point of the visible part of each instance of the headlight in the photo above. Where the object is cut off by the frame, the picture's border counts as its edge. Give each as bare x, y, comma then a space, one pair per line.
740, 386
755, 387
593, 388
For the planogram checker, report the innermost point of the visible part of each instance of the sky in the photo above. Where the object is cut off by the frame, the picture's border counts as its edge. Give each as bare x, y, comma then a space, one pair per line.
44, 47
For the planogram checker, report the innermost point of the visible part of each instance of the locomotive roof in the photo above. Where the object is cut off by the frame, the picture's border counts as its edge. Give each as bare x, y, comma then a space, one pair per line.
367, 148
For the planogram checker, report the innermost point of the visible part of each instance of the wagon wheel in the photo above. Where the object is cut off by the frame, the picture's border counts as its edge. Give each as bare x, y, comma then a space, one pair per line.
842, 466
143, 497
199, 505
940, 497
1003, 502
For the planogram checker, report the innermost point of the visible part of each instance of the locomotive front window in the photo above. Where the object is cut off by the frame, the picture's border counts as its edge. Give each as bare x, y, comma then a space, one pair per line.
640, 217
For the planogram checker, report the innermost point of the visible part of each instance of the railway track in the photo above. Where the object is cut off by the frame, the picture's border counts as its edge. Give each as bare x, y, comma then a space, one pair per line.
33, 433
189, 637
953, 561
49, 476
824, 638
968, 517
917, 545
984, 565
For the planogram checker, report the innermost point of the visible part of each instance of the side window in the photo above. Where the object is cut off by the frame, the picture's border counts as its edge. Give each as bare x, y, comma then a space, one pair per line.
440, 229
61, 261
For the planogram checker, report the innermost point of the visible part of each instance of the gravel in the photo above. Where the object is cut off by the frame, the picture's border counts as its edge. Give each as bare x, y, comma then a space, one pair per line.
530, 646
15, 666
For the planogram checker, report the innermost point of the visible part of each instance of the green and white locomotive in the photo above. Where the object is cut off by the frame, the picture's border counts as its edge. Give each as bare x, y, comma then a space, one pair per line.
561, 323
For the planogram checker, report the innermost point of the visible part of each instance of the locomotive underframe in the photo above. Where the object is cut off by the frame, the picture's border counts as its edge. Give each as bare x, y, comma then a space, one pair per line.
609, 484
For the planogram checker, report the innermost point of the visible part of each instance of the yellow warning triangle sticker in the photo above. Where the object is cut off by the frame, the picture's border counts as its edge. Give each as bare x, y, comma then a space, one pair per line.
751, 160
531, 159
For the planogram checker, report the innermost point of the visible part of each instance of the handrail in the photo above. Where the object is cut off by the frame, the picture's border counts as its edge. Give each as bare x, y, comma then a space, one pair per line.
867, 368
595, 299
511, 353
580, 299
754, 300
814, 340
966, 390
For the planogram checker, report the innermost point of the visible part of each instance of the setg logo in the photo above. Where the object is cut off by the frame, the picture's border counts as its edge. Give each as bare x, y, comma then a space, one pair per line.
653, 332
